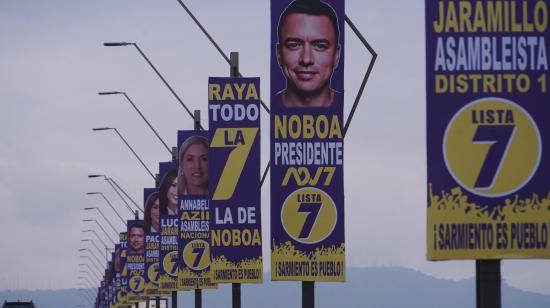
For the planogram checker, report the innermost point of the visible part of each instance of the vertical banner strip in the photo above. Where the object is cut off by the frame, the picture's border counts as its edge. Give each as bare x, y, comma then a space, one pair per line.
169, 232
194, 211
487, 120
152, 241
234, 120
307, 148
135, 255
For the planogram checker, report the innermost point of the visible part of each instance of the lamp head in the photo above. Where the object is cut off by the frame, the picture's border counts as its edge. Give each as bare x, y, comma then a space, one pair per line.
115, 44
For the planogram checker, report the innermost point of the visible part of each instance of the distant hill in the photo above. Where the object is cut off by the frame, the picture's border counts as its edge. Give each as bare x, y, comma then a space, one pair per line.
365, 287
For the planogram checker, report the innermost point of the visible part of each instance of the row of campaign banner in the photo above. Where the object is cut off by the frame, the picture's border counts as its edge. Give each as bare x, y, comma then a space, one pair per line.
202, 222
487, 190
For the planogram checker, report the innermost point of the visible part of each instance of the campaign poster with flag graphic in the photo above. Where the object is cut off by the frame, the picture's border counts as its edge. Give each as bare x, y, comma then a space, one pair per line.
135, 260
151, 225
169, 221
194, 211
234, 115
307, 140
487, 122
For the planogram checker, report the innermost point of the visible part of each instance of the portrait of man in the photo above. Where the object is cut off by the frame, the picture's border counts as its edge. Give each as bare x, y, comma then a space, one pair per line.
308, 52
136, 239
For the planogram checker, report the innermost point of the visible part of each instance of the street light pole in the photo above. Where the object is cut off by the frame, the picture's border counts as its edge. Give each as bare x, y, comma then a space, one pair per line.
103, 215
102, 229
85, 264
97, 247
110, 204
117, 188
90, 275
99, 238
154, 69
113, 187
91, 253
141, 114
92, 261
129, 147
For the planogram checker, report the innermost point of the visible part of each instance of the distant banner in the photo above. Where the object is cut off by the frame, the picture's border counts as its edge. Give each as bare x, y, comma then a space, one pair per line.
115, 256
234, 113
135, 259
194, 229
307, 141
168, 253
152, 241
487, 121
120, 262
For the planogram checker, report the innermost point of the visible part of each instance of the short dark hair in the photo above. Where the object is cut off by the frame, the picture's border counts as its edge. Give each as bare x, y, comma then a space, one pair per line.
138, 225
309, 7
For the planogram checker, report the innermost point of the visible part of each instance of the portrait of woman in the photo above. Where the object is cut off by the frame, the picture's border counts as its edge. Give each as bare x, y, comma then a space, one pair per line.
152, 213
193, 166
168, 193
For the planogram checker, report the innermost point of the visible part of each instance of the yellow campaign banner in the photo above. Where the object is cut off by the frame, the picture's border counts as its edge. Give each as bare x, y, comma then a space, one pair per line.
487, 124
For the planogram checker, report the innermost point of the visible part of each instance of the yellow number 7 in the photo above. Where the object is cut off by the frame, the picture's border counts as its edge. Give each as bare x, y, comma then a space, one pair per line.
241, 139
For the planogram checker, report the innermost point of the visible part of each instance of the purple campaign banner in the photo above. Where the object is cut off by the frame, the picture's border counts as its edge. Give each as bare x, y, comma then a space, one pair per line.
123, 265
194, 211
135, 259
168, 253
152, 240
234, 114
487, 123
307, 146
118, 271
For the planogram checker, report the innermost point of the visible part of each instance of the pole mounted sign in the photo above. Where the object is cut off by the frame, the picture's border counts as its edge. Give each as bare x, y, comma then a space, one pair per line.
194, 212
307, 149
487, 124
168, 249
234, 120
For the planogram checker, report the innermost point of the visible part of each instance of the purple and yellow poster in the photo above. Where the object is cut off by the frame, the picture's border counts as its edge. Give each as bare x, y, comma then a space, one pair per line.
487, 123
307, 148
121, 266
234, 115
135, 260
151, 224
168, 249
115, 257
194, 211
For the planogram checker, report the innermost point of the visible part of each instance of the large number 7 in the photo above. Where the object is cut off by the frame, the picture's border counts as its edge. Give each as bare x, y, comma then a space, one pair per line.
241, 140
312, 210
199, 251
499, 138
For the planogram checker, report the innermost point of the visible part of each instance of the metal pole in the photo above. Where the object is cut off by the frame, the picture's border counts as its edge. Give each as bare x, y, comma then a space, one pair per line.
234, 72
488, 282
118, 193
197, 122
149, 124
174, 299
162, 78
128, 145
134, 152
308, 294
94, 220
236, 295
198, 298
104, 217
110, 204
124, 192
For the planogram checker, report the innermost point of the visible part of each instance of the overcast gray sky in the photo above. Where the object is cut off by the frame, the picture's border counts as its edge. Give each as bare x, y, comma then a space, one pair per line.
52, 65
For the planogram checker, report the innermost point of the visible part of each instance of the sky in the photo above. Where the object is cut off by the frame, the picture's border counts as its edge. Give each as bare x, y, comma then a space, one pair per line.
53, 63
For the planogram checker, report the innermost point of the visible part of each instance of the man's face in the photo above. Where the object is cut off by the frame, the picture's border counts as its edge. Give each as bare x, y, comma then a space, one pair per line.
136, 239
308, 53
